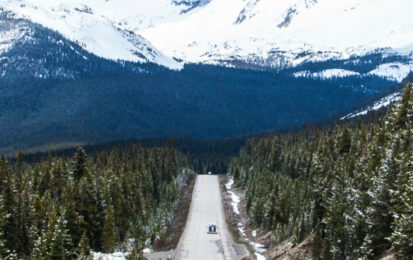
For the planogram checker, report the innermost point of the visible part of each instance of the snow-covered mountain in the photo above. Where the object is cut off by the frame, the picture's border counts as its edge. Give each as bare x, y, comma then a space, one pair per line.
231, 32
287, 32
104, 28
69, 71
31, 51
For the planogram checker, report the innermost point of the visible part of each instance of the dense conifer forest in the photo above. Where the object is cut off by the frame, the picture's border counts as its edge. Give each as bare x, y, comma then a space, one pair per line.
350, 187
66, 207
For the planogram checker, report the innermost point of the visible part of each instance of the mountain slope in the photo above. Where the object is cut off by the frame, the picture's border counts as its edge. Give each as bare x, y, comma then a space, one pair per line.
381, 103
29, 50
56, 88
100, 30
287, 32
23, 52
54, 92
232, 32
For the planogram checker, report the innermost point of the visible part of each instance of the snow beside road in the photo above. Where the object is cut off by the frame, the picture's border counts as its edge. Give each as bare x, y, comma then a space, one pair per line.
258, 248
112, 256
234, 198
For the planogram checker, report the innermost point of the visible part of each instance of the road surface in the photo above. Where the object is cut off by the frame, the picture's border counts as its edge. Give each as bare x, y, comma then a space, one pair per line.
206, 208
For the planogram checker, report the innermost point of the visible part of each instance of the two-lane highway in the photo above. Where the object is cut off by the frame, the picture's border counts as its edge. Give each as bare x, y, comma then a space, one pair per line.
206, 208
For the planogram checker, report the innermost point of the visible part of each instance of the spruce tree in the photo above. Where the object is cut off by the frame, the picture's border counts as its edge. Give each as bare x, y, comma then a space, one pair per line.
61, 242
402, 236
109, 232
84, 247
79, 164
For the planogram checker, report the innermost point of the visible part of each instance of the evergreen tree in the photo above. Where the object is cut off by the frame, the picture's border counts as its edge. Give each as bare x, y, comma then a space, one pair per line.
109, 232
54, 208
3, 223
84, 247
402, 236
79, 164
352, 185
61, 242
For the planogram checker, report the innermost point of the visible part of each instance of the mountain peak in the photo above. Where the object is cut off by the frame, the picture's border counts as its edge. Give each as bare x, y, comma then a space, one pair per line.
260, 32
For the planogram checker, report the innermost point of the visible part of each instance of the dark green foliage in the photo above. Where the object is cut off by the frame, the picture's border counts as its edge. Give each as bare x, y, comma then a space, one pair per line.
62, 208
109, 232
80, 164
351, 186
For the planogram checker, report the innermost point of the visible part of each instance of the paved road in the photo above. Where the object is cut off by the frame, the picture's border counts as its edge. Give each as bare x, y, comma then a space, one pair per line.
206, 208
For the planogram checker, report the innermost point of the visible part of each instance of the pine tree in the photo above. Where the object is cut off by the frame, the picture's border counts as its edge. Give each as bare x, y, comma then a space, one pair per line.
345, 141
405, 105
402, 236
275, 154
84, 247
61, 241
74, 219
88, 210
109, 232
3, 174
11, 225
379, 216
79, 164
56, 240
52, 209
3, 222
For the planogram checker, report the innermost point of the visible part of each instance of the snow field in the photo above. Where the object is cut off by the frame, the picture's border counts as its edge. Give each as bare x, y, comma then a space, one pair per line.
96, 26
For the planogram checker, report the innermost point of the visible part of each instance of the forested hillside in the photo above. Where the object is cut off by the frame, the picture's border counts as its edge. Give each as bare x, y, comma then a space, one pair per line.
61, 208
351, 186
198, 102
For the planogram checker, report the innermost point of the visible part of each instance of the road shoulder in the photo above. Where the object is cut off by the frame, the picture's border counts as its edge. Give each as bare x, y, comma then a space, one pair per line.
241, 247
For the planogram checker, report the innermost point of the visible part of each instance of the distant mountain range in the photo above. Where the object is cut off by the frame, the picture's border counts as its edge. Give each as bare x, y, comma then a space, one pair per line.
260, 32
287, 32
107, 70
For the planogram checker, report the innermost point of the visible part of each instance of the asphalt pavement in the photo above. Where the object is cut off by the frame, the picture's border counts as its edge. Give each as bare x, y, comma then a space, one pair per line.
206, 208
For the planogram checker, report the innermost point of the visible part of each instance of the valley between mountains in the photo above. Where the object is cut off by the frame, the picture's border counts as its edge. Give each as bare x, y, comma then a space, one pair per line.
206, 129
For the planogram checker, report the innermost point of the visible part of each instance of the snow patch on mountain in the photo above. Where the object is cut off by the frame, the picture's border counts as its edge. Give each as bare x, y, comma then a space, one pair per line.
395, 71
326, 74
384, 102
9, 34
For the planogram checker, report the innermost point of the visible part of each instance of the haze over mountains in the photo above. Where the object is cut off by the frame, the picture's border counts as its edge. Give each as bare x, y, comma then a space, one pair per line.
98, 71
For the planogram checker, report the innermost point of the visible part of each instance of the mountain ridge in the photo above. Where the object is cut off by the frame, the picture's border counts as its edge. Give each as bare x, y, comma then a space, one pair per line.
95, 32
286, 33
256, 32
